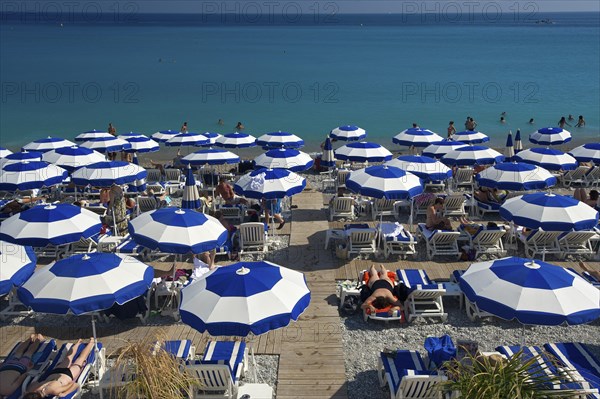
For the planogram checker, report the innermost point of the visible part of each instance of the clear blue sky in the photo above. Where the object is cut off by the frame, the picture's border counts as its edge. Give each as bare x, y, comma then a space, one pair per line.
366, 6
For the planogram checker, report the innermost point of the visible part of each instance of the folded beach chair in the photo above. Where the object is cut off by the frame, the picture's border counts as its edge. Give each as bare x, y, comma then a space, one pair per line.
253, 238
425, 296
94, 365
439, 242
488, 241
576, 243
233, 213
220, 370
153, 176
384, 207
361, 241
341, 207
546, 365
578, 357
405, 374
395, 239
341, 177
539, 242
592, 178
146, 204
454, 205
40, 360
575, 176
463, 177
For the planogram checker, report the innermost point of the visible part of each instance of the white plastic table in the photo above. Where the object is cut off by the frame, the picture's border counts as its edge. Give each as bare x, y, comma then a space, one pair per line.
255, 391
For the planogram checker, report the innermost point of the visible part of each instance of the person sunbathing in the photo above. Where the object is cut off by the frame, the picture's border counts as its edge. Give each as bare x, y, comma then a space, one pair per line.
582, 196
486, 195
14, 369
61, 380
382, 292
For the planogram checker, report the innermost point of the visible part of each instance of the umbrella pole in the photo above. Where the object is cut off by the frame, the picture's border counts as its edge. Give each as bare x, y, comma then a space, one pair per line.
97, 352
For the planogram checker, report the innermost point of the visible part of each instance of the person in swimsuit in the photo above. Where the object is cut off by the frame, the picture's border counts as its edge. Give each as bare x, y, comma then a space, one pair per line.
451, 129
61, 380
434, 218
580, 122
382, 289
14, 369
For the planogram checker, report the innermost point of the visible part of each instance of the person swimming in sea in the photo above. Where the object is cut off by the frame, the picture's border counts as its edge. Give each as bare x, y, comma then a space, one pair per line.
220, 122
502, 120
571, 118
562, 122
239, 126
531, 122
580, 122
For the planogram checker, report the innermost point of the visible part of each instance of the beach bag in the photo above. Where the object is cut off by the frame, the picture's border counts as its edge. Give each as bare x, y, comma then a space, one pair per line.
341, 252
350, 305
440, 350
365, 292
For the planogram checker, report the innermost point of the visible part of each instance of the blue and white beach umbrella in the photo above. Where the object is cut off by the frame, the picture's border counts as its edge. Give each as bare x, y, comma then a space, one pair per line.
50, 224
17, 264
178, 231
131, 135
236, 140
191, 198
269, 184
438, 150
142, 144
532, 292
348, 133
279, 140
550, 136
71, 158
416, 137
47, 144
424, 167
93, 134
107, 144
4, 152
187, 139
105, 174
30, 175
472, 155
549, 212
20, 157
547, 158
244, 298
164, 135
86, 283
516, 176
509, 151
363, 151
518, 142
384, 182
291, 159
589, 152
471, 137
212, 137
328, 157
210, 156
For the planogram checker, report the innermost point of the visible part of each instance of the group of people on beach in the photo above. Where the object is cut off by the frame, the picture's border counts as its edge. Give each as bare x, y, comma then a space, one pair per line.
59, 381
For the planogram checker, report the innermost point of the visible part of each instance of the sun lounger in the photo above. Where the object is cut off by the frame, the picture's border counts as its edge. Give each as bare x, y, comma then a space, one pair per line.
405, 374
234, 354
40, 360
395, 239
361, 241
576, 243
384, 207
95, 364
425, 296
577, 356
341, 207
487, 241
463, 177
539, 242
545, 366
454, 205
473, 311
253, 238
15, 307
592, 178
384, 314
575, 176
439, 242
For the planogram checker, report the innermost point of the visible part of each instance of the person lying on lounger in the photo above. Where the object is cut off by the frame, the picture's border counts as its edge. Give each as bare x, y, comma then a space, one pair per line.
14, 369
61, 380
382, 292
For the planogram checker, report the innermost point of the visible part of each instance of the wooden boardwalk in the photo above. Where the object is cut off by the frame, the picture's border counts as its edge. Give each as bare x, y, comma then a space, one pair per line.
311, 357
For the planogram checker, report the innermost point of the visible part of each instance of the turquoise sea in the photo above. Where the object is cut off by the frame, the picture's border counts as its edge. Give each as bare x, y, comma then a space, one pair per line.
379, 72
